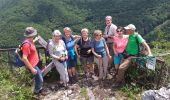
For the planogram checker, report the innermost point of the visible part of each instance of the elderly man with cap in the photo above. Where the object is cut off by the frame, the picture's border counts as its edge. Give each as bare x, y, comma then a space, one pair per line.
132, 50
31, 59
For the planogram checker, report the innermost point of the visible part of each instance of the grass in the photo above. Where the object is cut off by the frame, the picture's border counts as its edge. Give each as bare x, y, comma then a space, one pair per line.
18, 85
132, 92
15, 86
83, 93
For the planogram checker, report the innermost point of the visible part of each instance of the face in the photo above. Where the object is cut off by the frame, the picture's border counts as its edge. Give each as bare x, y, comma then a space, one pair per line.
57, 37
84, 34
119, 32
98, 36
67, 33
129, 31
108, 22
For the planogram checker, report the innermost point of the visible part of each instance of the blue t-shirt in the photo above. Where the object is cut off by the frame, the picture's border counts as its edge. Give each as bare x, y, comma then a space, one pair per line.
70, 43
99, 47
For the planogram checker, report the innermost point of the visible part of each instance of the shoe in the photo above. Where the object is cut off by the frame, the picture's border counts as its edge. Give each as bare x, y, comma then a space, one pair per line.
84, 76
75, 79
95, 77
61, 85
70, 80
41, 92
109, 76
117, 84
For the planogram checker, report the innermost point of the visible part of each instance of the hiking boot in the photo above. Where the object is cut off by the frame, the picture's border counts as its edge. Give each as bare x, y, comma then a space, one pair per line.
61, 85
117, 84
74, 79
70, 80
41, 92
95, 77
109, 76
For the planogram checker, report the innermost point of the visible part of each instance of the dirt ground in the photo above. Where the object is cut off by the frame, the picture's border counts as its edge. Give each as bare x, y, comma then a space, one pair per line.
84, 89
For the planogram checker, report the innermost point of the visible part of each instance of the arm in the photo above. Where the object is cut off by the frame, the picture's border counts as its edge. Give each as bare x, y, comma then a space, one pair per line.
89, 51
114, 48
76, 36
28, 65
36, 38
141, 40
66, 52
106, 47
105, 36
50, 48
26, 51
95, 54
76, 47
147, 48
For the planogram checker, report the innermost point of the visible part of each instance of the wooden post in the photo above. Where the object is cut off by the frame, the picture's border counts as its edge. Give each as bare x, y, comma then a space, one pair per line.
9, 61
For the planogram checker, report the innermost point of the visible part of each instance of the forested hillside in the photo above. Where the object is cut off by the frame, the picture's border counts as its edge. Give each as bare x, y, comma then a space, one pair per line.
152, 17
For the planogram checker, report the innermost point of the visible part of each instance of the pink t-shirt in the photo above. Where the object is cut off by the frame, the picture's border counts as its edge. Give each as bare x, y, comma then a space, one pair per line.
120, 43
31, 53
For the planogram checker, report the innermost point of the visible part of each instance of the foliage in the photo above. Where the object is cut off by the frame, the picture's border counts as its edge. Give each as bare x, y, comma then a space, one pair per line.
15, 85
131, 91
47, 15
83, 93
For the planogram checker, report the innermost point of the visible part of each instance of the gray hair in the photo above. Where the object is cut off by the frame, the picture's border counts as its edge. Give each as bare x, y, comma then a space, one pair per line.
108, 17
56, 32
97, 32
85, 30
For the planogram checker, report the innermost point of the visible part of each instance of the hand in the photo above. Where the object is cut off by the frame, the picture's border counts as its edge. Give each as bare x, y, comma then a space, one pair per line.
77, 36
34, 71
110, 57
115, 53
89, 51
99, 56
150, 55
62, 58
78, 56
110, 36
66, 57
36, 38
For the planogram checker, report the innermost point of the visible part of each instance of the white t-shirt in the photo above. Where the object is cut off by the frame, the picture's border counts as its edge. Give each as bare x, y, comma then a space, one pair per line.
110, 32
57, 49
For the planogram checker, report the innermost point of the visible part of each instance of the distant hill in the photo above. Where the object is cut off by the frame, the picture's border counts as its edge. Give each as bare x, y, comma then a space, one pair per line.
47, 15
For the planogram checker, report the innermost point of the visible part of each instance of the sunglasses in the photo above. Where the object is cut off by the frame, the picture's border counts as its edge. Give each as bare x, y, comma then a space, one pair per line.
119, 30
98, 35
57, 36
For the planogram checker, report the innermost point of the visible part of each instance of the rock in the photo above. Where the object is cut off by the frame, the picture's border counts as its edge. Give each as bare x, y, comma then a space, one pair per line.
90, 94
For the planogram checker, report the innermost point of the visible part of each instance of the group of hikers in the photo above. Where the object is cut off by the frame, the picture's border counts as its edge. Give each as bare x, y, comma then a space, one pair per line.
105, 49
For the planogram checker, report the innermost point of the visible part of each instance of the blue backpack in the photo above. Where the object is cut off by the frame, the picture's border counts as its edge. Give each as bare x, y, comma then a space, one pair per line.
19, 54
71, 51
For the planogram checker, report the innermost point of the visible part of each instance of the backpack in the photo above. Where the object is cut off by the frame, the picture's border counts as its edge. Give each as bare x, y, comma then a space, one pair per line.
81, 41
64, 39
19, 54
141, 48
141, 62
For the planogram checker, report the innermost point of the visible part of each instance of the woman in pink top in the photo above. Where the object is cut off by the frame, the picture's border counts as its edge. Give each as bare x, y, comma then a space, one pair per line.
120, 42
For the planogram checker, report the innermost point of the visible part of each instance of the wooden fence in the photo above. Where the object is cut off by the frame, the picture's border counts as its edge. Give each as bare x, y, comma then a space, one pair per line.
7, 55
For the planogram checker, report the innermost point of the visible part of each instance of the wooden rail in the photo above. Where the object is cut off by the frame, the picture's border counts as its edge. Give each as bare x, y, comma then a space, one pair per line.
11, 51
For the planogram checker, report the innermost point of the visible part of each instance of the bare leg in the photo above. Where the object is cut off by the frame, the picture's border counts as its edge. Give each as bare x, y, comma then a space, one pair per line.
116, 69
73, 70
122, 68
